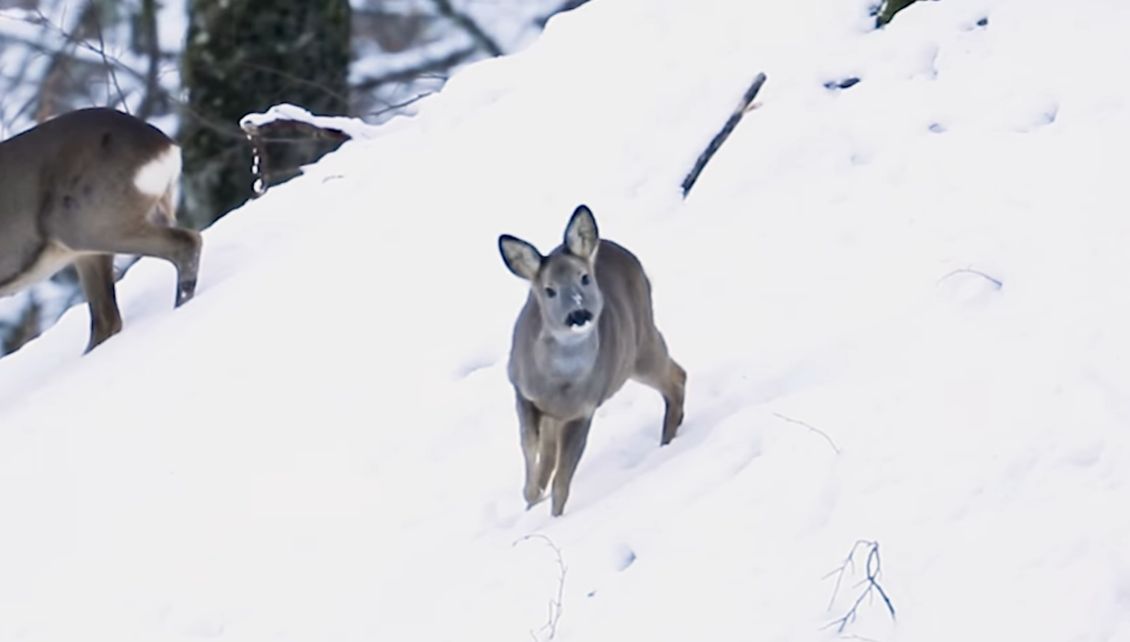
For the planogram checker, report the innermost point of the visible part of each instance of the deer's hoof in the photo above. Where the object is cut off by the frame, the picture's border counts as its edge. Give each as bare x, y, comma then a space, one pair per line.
185, 291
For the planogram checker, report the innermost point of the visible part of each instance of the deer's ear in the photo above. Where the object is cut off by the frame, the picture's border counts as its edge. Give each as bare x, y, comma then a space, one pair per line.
520, 257
581, 235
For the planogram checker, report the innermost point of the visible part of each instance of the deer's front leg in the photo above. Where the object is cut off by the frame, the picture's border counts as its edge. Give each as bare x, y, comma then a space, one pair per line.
574, 436
528, 419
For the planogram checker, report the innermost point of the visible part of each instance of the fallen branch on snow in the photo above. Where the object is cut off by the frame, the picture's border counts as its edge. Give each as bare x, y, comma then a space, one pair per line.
723, 134
872, 569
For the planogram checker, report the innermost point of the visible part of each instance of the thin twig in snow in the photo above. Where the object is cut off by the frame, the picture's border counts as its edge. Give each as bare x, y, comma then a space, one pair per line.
873, 568
997, 283
810, 427
549, 629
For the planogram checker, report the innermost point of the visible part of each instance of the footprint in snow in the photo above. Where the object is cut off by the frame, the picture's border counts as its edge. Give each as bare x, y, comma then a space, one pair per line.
627, 559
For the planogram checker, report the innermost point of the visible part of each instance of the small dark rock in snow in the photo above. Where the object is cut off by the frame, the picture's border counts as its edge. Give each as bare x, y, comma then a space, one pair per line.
843, 83
983, 22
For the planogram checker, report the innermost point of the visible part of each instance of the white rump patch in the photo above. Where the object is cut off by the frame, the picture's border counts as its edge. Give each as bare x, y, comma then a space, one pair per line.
155, 176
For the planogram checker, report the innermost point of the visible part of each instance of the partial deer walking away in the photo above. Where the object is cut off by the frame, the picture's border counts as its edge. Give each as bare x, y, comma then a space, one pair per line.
586, 328
82, 187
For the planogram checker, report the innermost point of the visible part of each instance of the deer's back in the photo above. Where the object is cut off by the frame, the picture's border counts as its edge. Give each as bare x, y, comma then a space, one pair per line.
627, 321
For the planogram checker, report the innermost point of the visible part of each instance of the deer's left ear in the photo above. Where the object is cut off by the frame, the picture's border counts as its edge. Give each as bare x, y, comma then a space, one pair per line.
581, 235
520, 257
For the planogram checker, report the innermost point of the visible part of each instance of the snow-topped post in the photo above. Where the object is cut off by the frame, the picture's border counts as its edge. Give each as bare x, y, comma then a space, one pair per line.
292, 124
242, 56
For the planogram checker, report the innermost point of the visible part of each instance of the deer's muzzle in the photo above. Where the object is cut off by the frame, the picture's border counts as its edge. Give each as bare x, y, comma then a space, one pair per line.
578, 319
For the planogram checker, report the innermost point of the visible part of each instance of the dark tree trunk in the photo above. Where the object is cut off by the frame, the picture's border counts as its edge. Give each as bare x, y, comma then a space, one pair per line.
243, 56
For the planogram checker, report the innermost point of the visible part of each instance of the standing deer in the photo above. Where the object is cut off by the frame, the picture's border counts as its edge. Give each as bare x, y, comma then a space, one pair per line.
80, 188
586, 328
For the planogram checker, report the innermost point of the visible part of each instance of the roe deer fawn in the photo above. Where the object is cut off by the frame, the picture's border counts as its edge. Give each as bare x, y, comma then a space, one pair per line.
586, 328
83, 186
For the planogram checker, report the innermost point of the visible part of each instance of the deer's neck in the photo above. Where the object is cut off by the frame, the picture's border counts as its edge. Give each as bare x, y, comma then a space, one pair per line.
567, 360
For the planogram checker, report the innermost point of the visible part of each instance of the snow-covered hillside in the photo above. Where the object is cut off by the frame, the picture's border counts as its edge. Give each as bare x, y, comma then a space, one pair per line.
902, 307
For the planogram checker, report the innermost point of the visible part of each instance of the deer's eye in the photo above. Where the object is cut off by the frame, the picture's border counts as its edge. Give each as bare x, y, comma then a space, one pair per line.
550, 292
585, 279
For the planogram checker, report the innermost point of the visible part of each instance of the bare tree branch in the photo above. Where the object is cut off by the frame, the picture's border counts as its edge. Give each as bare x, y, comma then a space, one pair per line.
470, 26
343, 100
17, 80
40, 47
87, 27
416, 71
153, 53
106, 62
60, 59
401, 105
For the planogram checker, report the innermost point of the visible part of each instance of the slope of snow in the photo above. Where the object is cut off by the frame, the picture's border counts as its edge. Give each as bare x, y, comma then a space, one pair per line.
901, 305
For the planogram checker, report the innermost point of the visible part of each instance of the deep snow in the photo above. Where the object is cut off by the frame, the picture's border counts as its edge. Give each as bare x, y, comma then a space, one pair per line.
927, 268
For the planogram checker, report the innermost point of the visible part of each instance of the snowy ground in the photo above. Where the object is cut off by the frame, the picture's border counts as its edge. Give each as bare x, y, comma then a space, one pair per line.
927, 269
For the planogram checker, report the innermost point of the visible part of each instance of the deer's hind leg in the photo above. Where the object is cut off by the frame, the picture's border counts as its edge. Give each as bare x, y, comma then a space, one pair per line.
95, 227
656, 369
96, 273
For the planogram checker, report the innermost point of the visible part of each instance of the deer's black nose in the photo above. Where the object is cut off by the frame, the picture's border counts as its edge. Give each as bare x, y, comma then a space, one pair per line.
578, 318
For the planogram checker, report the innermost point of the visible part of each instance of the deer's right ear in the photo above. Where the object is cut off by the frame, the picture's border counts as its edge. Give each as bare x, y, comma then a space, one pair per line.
520, 257
581, 236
